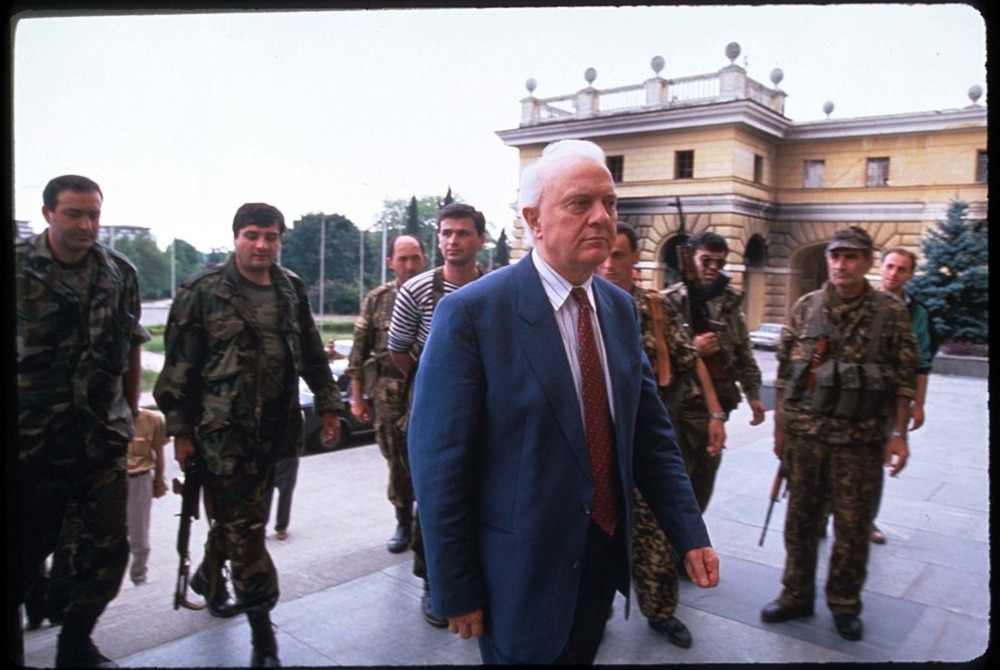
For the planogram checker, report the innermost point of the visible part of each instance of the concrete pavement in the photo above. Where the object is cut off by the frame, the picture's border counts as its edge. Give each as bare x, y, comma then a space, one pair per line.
347, 601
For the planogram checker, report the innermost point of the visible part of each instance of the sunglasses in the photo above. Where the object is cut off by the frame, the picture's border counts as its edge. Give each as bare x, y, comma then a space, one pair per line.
709, 261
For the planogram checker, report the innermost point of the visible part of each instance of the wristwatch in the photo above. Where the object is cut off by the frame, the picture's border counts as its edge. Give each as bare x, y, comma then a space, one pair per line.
901, 435
717, 415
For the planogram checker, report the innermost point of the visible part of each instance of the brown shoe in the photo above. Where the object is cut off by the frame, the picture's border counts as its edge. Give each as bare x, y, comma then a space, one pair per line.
878, 537
282, 534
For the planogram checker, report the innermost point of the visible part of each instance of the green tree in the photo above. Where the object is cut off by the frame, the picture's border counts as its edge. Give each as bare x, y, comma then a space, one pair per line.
393, 220
953, 280
151, 264
501, 256
413, 221
300, 253
187, 259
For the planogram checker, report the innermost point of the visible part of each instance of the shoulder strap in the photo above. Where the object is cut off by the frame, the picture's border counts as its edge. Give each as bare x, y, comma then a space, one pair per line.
437, 286
873, 341
663, 371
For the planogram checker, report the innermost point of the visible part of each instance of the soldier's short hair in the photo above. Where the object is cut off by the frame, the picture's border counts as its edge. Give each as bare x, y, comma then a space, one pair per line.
628, 231
258, 213
459, 210
902, 251
67, 182
706, 239
416, 238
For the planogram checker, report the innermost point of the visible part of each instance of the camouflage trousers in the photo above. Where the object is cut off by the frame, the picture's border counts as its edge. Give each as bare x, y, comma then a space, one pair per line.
849, 478
238, 508
79, 511
654, 565
691, 426
390, 406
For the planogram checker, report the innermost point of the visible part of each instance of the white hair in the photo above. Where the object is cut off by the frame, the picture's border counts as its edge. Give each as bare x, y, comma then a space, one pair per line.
534, 177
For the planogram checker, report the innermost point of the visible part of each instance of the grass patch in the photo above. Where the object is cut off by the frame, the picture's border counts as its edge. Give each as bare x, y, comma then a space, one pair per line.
148, 380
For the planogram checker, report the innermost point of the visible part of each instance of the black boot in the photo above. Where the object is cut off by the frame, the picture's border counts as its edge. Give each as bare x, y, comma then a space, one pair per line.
265, 646
401, 540
75, 648
217, 596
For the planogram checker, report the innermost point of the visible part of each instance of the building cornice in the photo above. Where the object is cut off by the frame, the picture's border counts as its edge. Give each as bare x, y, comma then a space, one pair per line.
737, 112
794, 213
744, 113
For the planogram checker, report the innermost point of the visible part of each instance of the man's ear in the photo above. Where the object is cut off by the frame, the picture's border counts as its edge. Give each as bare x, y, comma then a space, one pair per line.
530, 216
46, 214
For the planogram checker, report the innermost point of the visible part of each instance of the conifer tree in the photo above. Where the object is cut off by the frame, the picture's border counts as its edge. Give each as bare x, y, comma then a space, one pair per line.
953, 279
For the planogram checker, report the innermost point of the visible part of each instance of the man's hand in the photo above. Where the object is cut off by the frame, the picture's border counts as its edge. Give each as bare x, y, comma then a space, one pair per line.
702, 567
331, 429
780, 436
896, 454
757, 407
706, 344
183, 447
361, 410
916, 415
467, 625
159, 487
716, 437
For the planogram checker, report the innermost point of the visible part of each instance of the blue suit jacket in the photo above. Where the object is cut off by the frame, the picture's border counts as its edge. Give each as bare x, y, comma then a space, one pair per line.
499, 458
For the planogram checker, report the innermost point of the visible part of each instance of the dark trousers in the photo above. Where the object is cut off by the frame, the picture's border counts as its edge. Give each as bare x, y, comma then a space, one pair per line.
603, 567
286, 473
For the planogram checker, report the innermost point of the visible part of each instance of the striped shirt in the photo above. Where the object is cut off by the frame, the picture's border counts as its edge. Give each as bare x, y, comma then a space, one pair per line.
567, 313
411, 315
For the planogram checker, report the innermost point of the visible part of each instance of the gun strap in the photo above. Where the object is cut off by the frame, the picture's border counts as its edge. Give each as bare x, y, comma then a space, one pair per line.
663, 371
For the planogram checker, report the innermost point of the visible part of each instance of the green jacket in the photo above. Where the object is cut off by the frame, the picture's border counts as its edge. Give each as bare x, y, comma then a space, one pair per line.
71, 355
210, 383
734, 341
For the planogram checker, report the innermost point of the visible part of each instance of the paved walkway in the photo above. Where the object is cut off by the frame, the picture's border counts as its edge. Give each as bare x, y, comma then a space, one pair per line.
347, 601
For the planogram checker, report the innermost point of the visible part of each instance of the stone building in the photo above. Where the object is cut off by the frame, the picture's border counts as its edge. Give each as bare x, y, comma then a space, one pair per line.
718, 148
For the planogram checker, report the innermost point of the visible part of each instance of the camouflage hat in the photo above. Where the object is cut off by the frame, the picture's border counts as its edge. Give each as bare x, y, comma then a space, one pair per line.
851, 238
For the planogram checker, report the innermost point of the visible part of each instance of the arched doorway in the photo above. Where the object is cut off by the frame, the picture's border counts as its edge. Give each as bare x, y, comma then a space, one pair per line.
809, 263
754, 288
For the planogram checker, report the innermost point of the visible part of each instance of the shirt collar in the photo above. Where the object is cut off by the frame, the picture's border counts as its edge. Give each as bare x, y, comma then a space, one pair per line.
557, 289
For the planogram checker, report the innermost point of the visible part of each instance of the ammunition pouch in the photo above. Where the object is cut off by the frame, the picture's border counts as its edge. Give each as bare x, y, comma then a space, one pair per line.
844, 390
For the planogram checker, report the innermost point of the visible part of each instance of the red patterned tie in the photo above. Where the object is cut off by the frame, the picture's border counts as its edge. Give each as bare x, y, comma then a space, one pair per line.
597, 419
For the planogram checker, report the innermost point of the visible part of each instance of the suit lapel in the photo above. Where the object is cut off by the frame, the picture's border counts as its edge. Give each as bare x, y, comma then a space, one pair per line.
616, 345
542, 345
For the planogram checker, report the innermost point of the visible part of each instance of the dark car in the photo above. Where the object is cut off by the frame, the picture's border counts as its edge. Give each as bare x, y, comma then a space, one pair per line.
349, 426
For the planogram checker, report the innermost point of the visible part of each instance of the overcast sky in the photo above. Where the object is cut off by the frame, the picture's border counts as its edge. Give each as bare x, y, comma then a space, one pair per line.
183, 118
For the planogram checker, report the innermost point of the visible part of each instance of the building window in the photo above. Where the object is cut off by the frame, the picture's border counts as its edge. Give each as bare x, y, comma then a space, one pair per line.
878, 172
982, 167
812, 174
758, 169
683, 165
616, 166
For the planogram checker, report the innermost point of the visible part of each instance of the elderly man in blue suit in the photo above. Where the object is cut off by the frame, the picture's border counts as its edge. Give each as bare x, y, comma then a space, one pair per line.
529, 422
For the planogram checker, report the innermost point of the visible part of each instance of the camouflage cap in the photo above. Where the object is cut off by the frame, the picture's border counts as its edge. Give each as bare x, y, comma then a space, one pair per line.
852, 237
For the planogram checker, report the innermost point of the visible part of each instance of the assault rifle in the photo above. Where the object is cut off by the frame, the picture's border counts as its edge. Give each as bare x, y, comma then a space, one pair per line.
699, 297
776, 494
190, 492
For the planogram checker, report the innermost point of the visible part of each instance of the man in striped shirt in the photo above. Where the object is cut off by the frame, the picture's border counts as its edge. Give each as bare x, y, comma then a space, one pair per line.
461, 231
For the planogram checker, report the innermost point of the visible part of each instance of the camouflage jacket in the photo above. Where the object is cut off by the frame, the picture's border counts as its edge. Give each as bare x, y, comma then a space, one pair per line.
71, 355
369, 358
850, 326
210, 384
684, 386
738, 360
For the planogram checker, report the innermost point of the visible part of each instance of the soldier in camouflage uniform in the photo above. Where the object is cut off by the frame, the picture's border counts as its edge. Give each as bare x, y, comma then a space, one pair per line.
726, 352
371, 366
78, 351
847, 363
238, 338
681, 380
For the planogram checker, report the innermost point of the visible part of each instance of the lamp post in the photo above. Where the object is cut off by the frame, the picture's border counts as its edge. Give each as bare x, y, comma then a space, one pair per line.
322, 260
